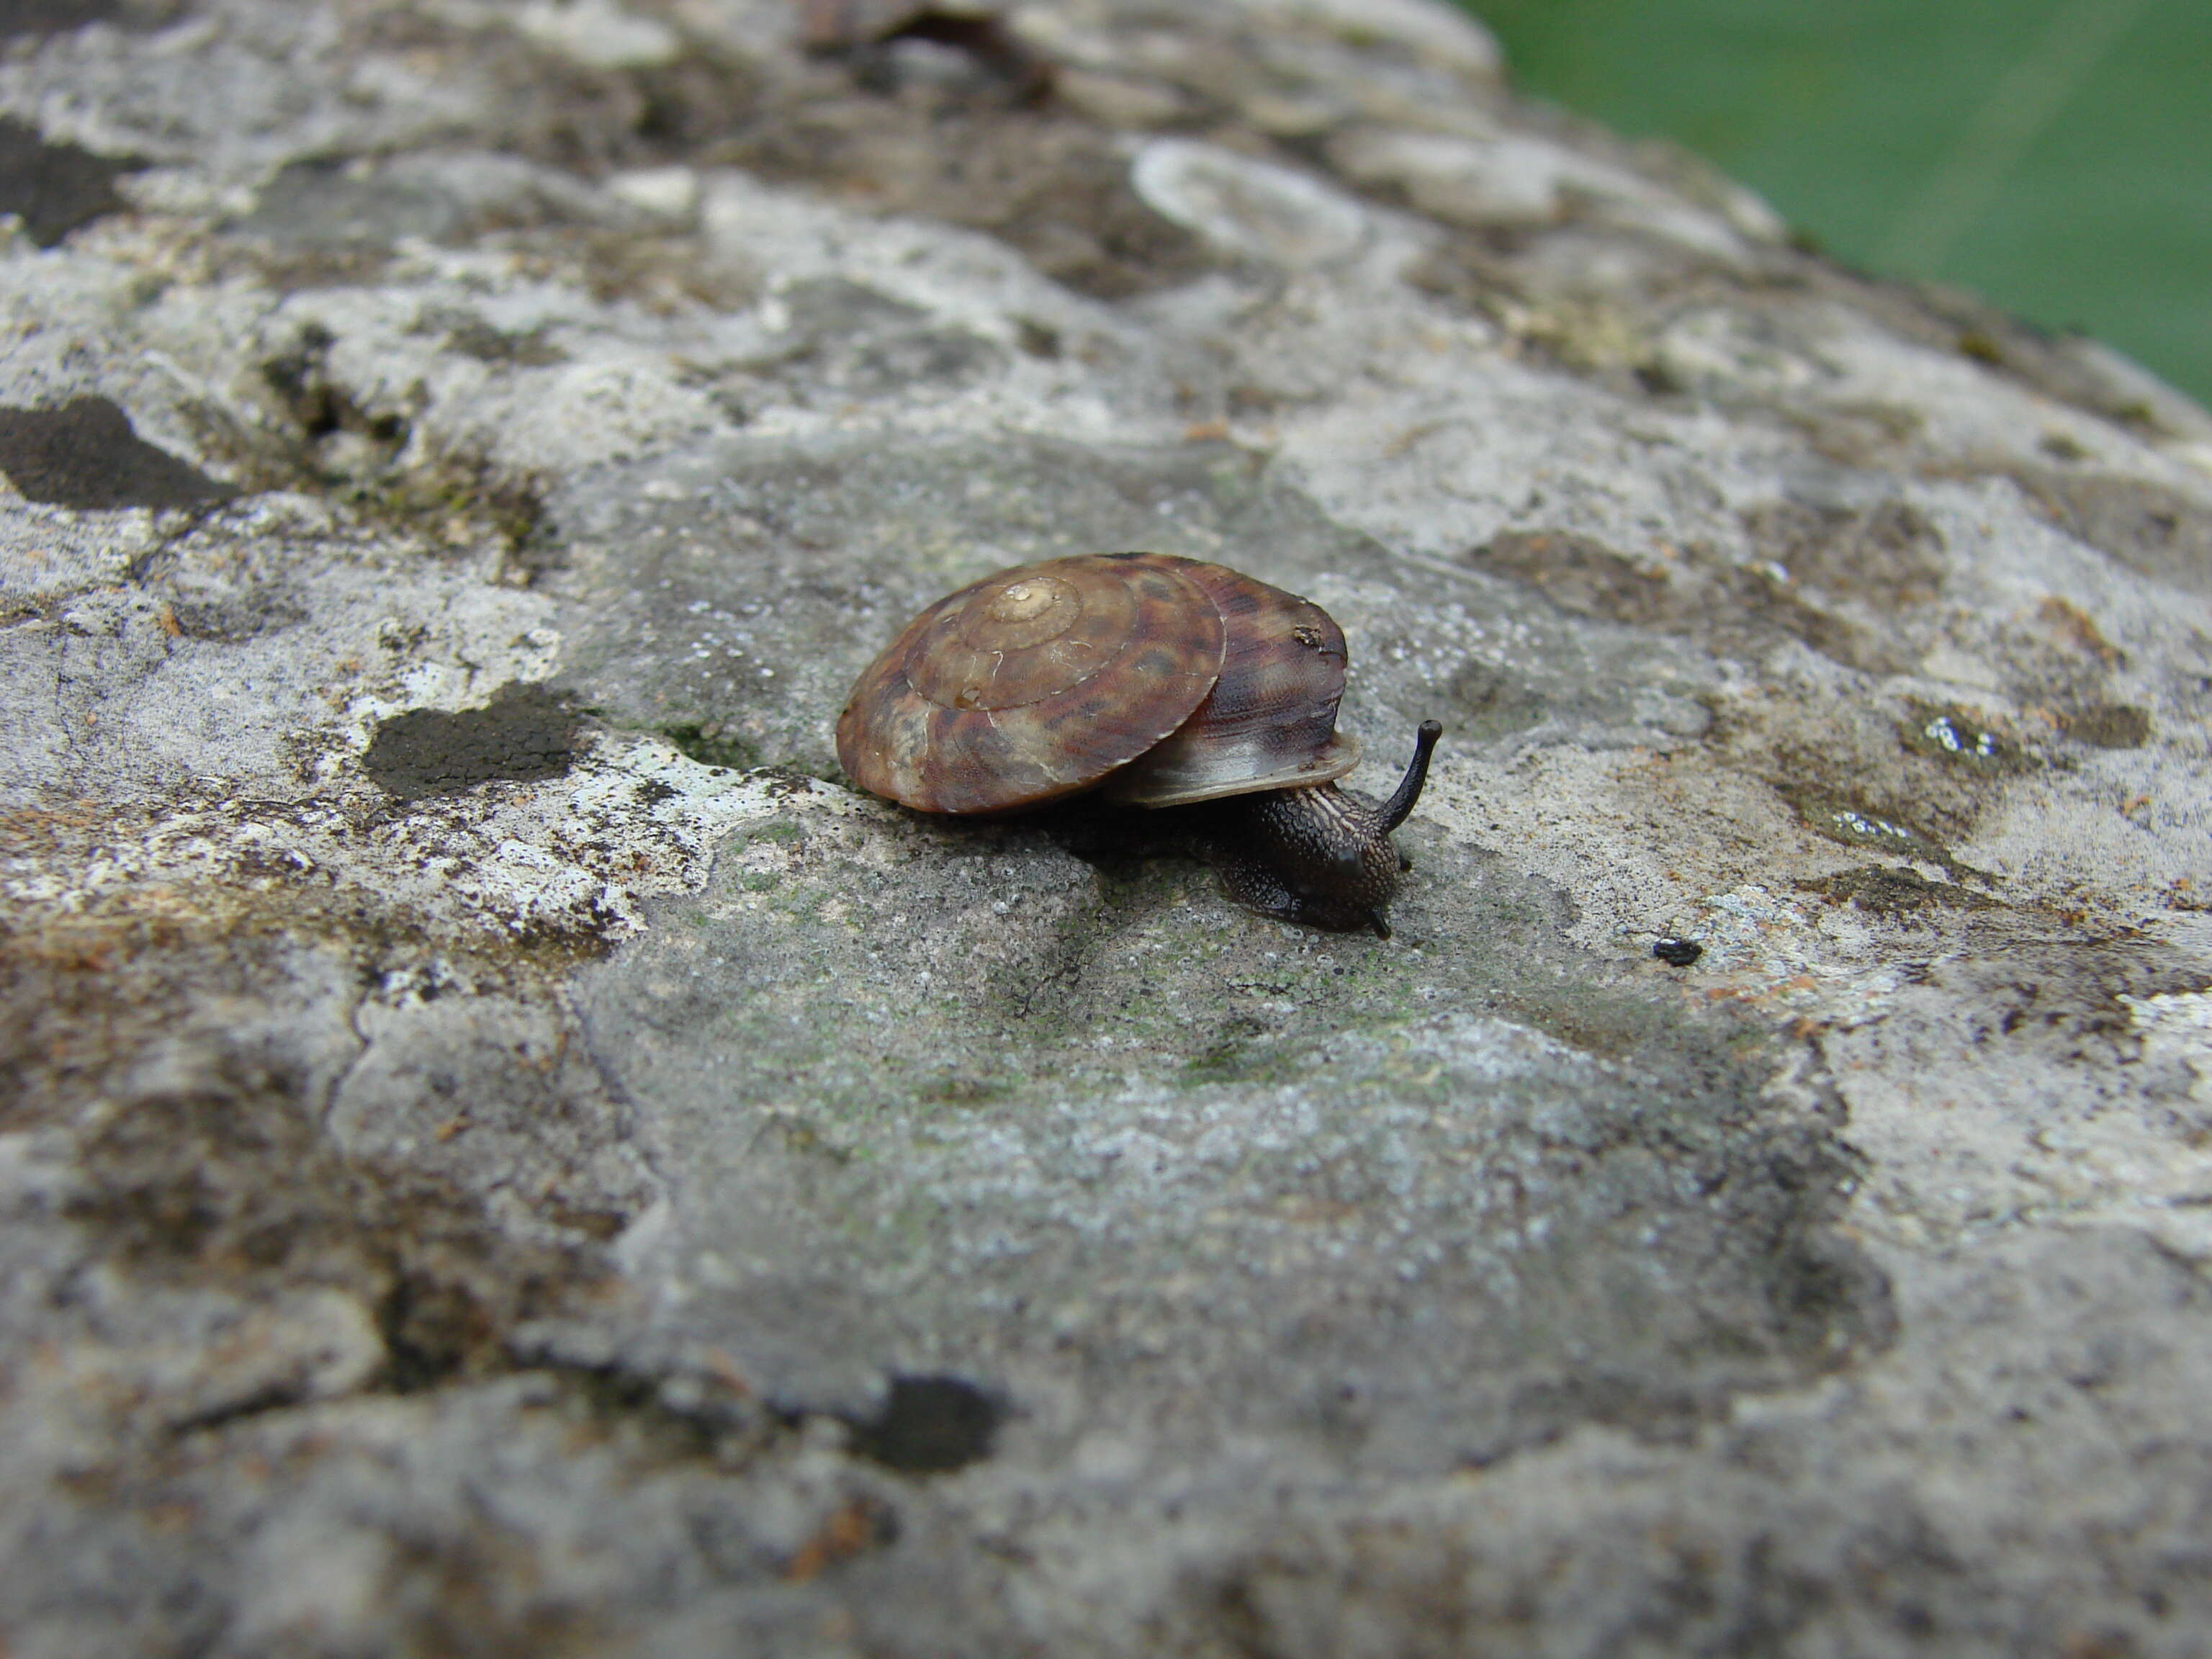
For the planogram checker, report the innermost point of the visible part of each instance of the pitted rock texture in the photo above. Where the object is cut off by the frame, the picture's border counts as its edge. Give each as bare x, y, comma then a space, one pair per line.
503, 1150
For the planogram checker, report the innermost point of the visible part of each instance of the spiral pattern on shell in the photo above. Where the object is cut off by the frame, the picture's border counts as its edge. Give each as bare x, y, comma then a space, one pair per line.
1179, 680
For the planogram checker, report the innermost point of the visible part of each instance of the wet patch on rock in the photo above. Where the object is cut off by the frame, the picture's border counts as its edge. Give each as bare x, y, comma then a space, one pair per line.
886, 131
2108, 726
1954, 735
337, 219
331, 434
230, 1180
1581, 574
2073, 1000
1488, 703
1888, 555
1864, 771
1856, 826
232, 617
525, 732
1899, 891
252, 1274
56, 188
85, 454
1691, 593
2157, 531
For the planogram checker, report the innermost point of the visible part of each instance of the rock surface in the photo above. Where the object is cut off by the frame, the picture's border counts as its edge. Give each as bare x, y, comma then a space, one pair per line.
503, 1151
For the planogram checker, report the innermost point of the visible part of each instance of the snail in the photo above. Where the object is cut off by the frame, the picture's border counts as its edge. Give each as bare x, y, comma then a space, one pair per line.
1162, 681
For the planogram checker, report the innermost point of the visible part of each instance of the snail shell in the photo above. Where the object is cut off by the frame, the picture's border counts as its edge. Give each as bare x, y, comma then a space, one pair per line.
1168, 679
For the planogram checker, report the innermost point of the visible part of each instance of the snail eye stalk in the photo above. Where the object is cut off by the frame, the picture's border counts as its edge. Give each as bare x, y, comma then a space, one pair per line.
1401, 804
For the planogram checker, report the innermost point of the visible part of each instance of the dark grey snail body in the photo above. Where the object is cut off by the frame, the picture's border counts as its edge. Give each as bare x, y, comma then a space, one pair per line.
1165, 682
1319, 856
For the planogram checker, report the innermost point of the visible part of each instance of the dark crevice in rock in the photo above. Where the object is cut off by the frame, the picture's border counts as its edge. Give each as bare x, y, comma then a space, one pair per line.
431, 1331
350, 447
989, 58
85, 454
276, 1398
318, 404
707, 743
55, 188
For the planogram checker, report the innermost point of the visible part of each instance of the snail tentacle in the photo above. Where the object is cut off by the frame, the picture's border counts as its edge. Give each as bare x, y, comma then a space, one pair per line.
1402, 799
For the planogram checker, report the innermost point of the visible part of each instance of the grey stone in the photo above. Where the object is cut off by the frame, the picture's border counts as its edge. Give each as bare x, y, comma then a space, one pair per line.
503, 1150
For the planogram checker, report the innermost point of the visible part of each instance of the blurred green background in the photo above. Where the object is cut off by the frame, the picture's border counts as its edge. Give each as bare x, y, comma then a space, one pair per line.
2054, 156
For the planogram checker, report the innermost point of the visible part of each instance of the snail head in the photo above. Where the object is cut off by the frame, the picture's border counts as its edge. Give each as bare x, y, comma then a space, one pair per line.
1319, 856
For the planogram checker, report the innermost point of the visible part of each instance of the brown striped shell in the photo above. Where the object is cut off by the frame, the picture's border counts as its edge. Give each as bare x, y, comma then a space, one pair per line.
1169, 679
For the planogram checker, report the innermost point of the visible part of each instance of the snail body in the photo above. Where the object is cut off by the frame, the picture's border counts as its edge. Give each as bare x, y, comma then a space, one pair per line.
1159, 681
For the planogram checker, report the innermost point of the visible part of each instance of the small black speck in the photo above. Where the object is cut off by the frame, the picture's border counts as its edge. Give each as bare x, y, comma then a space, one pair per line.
930, 1424
1677, 952
85, 454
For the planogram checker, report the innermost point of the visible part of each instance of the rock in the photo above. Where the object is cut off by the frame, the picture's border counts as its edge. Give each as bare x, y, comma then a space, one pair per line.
502, 1147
